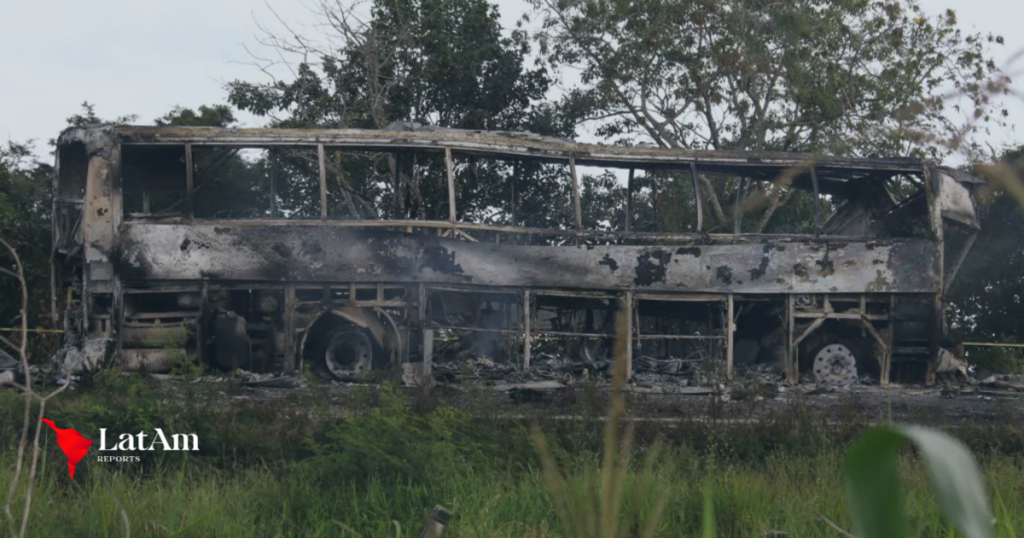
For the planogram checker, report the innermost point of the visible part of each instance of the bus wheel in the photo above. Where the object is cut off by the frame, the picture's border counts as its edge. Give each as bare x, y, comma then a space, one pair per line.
348, 353
835, 365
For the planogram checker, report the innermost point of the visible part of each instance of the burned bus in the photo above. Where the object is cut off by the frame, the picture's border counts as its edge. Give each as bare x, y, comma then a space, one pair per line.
349, 251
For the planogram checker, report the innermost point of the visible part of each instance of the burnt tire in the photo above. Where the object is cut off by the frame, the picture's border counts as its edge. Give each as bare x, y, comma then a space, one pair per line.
862, 351
342, 351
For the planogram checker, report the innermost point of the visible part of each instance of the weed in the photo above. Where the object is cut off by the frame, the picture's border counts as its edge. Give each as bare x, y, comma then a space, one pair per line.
251, 478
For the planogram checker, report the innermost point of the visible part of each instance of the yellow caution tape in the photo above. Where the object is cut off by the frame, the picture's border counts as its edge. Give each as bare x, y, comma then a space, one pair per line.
18, 330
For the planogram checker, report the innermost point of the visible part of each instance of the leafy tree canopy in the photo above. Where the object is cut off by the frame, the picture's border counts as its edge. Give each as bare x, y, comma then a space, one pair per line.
444, 63
437, 62
848, 77
25, 186
843, 77
987, 297
204, 116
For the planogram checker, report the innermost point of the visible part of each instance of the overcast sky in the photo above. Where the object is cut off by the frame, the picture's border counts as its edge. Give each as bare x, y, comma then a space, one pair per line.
146, 56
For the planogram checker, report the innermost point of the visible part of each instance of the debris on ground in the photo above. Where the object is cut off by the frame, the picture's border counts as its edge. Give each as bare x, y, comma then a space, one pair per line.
691, 374
283, 382
8, 367
245, 377
268, 380
682, 391
948, 363
439, 518
534, 391
663, 366
7, 362
1005, 381
416, 374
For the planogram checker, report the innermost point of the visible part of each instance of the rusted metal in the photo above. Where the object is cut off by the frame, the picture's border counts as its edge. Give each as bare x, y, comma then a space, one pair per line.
884, 345
505, 145
527, 331
450, 175
697, 196
890, 337
447, 226
396, 185
678, 337
577, 209
954, 198
817, 201
729, 333
629, 199
570, 334
247, 258
689, 297
181, 252
630, 305
818, 322
116, 329
201, 329
791, 349
289, 326
964, 250
273, 157
850, 315
513, 202
190, 187
323, 180
931, 187
738, 209
499, 331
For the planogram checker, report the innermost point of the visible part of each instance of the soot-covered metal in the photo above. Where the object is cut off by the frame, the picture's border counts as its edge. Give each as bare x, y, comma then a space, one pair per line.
344, 295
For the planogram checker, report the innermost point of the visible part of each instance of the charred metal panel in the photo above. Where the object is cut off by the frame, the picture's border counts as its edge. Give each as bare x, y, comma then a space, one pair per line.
501, 144
99, 213
101, 206
275, 253
955, 200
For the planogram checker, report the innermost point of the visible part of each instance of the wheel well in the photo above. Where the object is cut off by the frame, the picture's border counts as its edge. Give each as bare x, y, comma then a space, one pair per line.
319, 334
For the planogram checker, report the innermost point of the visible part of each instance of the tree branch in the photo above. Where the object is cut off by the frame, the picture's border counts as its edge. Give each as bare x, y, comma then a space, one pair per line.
776, 201
19, 462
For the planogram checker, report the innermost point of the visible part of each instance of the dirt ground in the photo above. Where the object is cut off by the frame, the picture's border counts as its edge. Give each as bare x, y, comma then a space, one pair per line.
949, 405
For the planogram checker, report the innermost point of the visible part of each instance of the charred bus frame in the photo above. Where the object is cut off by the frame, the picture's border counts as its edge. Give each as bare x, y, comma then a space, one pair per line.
357, 294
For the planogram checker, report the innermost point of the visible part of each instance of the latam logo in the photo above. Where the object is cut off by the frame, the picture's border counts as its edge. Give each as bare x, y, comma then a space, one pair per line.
72, 443
75, 446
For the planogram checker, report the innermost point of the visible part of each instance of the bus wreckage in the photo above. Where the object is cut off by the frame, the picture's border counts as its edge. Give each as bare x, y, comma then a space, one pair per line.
348, 251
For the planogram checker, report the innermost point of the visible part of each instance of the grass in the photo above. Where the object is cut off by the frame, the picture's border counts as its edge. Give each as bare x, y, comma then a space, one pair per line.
781, 494
273, 470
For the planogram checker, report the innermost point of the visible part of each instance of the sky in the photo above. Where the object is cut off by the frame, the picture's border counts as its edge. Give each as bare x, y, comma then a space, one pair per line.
145, 57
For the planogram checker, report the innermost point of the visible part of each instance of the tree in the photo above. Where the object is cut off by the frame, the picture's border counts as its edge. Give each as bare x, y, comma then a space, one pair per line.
87, 116
443, 63
845, 77
25, 187
988, 293
437, 62
204, 116
26, 190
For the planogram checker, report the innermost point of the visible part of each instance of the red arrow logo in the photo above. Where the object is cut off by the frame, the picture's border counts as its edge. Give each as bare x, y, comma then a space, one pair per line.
72, 443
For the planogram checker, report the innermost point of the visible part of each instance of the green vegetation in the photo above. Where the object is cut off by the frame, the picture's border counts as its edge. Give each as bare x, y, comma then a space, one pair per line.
732, 74
668, 73
295, 469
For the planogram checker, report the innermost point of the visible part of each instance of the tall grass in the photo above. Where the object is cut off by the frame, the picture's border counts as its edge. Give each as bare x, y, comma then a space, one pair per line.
290, 469
784, 493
